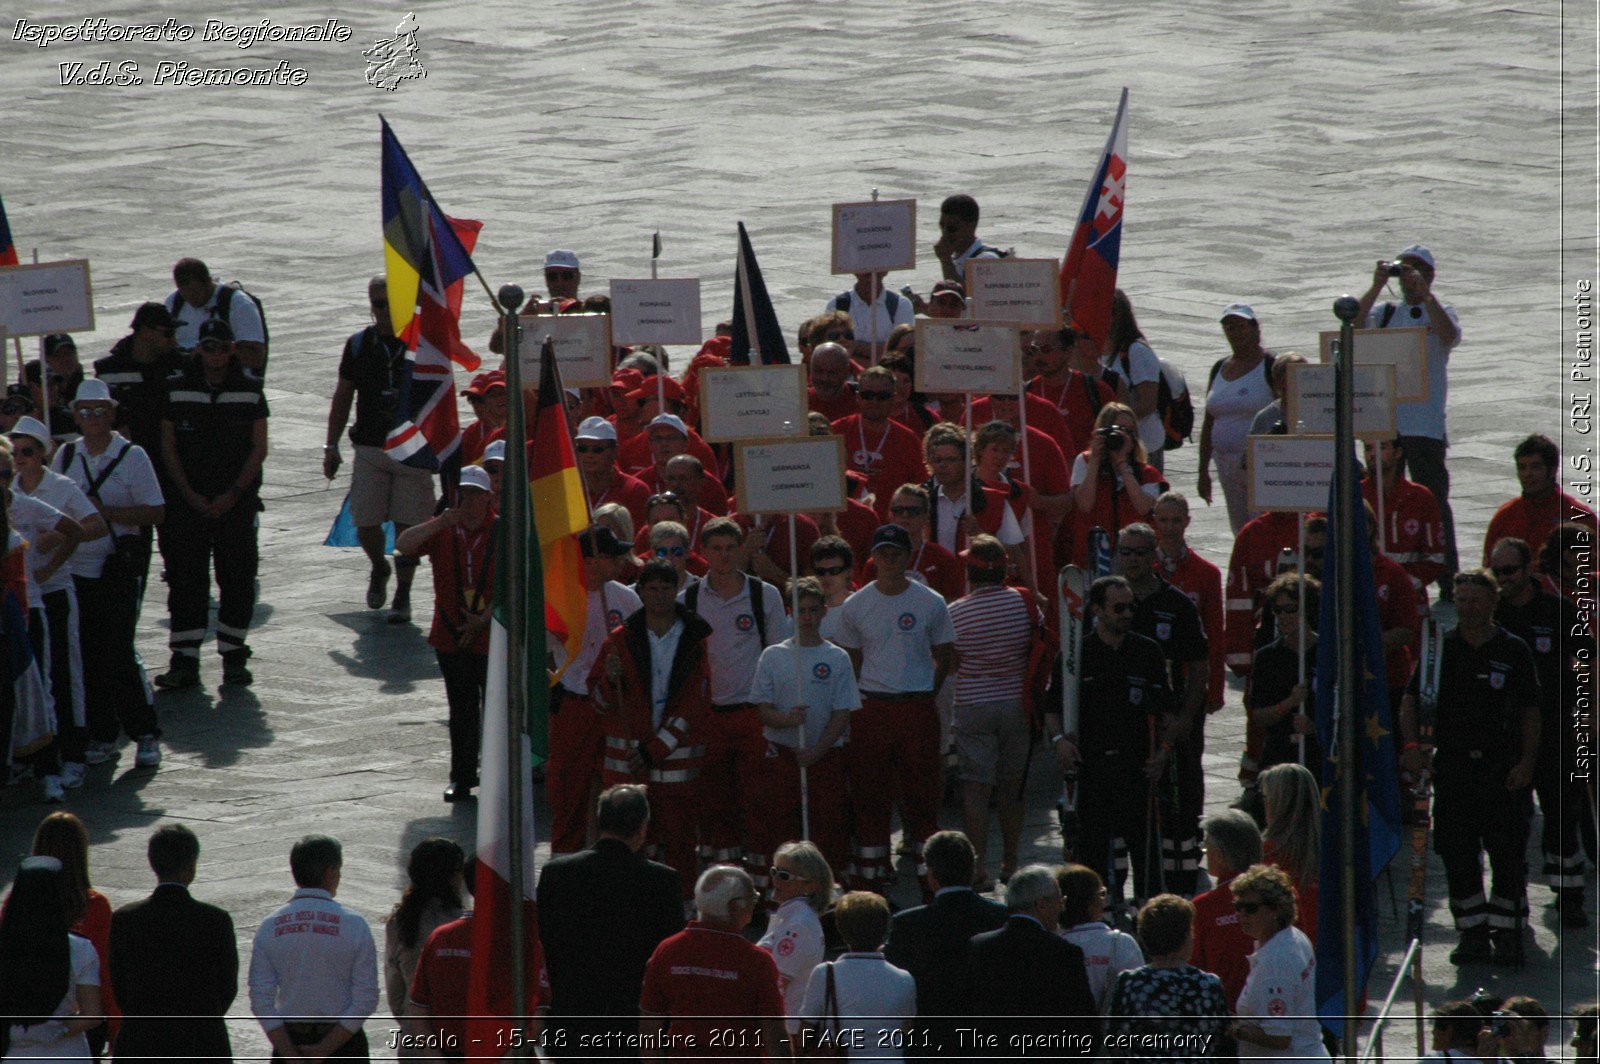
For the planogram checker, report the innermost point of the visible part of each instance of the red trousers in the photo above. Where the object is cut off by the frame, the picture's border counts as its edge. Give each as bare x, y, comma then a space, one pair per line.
734, 748
577, 744
774, 809
893, 749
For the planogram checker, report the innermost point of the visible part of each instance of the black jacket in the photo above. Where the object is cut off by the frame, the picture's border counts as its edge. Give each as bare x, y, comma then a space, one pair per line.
173, 956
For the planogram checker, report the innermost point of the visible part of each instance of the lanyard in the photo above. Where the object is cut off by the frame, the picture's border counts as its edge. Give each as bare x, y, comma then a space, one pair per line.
861, 456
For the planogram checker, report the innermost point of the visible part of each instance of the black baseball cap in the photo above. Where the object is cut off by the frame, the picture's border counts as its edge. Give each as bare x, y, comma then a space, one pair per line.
602, 541
892, 536
215, 329
152, 316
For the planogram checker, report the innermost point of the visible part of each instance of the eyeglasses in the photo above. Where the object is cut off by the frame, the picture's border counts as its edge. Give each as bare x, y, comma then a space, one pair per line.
1505, 570
594, 448
93, 411
783, 875
664, 498
876, 397
1248, 908
832, 570
1135, 552
908, 511
669, 552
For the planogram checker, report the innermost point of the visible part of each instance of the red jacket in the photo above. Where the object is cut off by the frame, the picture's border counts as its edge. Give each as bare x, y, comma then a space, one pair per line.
1202, 582
630, 493
1251, 567
1531, 521
672, 749
1041, 413
1220, 946
888, 457
1073, 401
1413, 532
1400, 605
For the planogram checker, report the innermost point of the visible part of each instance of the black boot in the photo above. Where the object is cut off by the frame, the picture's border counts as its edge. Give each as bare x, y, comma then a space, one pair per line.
1473, 948
1507, 946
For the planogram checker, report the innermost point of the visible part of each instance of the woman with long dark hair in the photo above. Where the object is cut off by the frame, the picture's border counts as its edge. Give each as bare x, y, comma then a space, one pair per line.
49, 978
63, 836
433, 897
1128, 353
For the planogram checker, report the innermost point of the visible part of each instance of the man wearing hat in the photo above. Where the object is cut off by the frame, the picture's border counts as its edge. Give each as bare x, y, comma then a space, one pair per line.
17, 404
902, 646
1422, 425
494, 464
577, 731
460, 545
561, 279
488, 398
213, 444
200, 299
137, 371
371, 372
666, 436
109, 572
596, 450
64, 373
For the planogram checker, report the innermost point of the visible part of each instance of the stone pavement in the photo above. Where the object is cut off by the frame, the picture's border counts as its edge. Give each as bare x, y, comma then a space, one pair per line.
1275, 152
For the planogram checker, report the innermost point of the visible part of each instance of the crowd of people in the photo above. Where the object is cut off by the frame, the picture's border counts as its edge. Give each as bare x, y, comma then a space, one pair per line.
916, 644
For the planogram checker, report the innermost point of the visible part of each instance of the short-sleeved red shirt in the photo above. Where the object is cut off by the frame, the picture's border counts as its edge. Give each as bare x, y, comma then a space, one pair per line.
440, 984
463, 577
705, 981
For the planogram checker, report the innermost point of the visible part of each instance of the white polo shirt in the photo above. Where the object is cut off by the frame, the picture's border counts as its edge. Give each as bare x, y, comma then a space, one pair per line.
896, 635
734, 646
313, 958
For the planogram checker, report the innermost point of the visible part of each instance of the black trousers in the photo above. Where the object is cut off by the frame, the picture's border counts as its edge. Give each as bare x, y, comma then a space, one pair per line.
1564, 803
59, 631
465, 676
1474, 814
304, 1034
191, 545
114, 691
1113, 804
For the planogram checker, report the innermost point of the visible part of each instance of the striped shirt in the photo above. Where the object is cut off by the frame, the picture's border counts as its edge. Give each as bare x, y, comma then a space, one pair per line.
994, 632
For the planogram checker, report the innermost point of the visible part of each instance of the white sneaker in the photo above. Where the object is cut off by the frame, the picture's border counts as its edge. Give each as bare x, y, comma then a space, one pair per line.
72, 773
53, 792
98, 753
149, 755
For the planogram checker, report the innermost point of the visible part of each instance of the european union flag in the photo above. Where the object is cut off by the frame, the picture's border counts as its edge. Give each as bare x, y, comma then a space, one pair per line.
1378, 799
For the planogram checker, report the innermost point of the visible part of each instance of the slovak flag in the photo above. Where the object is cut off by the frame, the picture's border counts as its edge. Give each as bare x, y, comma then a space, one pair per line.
1089, 274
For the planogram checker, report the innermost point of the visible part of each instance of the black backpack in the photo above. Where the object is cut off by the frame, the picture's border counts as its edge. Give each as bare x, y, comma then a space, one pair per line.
758, 604
222, 307
1177, 412
891, 302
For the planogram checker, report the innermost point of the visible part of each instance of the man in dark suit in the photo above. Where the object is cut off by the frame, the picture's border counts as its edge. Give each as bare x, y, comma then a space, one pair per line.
930, 941
1025, 969
173, 956
602, 912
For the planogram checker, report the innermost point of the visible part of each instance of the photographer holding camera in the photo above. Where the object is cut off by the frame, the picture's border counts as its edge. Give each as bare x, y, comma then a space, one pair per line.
1112, 484
1421, 425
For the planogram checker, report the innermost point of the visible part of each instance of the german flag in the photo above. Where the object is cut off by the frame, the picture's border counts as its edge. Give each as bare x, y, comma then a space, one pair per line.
560, 510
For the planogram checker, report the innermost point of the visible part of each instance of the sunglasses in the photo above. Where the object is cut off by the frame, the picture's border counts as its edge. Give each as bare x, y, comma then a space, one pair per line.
908, 511
665, 498
211, 347
876, 397
94, 411
669, 552
556, 271
832, 570
1248, 908
24, 451
1505, 570
594, 448
783, 875
1135, 552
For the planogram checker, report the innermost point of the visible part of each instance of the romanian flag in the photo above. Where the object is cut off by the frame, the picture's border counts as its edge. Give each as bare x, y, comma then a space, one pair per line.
1089, 274
418, 240
8, 249
560, 512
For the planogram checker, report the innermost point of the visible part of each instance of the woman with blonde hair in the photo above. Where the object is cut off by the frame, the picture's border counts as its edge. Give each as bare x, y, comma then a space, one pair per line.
1277, 1009
802, 888
1293, 835
1113, 483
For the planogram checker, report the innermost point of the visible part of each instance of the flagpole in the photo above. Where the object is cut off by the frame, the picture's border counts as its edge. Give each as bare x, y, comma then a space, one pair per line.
515, 489
799, 680
1346, 490
1377, 476
1027, 476
1300, 567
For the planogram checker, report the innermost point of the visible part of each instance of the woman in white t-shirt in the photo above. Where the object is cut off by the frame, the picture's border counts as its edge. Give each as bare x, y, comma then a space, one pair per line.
49, 979
1106, 951
1239, 387
870, 1000
1129, 355
802, 887
1277, 1009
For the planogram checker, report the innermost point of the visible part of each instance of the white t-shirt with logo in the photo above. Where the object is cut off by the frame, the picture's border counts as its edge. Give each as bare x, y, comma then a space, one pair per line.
829, 686
896, 635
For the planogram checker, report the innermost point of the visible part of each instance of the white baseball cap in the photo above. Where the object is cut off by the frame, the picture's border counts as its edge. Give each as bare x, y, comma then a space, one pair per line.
475, 477
495, 452
672, 421
1418, 252
1238, 310
561, 259
597, 428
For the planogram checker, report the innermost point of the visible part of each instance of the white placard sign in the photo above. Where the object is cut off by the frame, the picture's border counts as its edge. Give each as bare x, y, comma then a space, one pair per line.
46, 297
752, 402
665, 311
1020, 290
1308, 405
1404, 349
583, 348
959, 355
879, 235
803, 475
1290, 473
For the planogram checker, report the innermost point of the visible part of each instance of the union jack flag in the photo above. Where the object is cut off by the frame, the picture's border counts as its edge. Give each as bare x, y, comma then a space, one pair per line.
1089, 274
427, 434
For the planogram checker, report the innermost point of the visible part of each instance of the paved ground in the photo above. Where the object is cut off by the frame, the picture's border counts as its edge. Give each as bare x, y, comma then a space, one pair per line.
1275, 153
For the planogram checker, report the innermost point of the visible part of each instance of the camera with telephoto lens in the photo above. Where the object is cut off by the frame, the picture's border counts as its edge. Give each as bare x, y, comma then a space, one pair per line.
1115, 438
1393, 269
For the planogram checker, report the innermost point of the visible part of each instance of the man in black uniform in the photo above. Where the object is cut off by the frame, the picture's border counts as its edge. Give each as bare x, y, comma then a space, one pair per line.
1485, 745
137, 371
214, 441
381, 489
1127, 724
1163, 613
1546, 621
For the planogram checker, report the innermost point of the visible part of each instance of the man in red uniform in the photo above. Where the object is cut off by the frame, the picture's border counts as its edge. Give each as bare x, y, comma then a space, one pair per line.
708, 993
1077, 397
1232, 844
1542, 505
1401, 608
831, 393
1196, 577
1042, 415
1413, 531
885, 451
625, 411
596, 450
435, 1025
653, 684
665, 435
959, 506
931, 564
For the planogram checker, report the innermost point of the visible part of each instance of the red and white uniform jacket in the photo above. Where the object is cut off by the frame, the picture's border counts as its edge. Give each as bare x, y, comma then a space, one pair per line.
1413, 532
1251, 567
672, 746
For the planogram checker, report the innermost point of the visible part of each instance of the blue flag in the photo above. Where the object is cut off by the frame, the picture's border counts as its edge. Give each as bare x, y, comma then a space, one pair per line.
1377, 801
